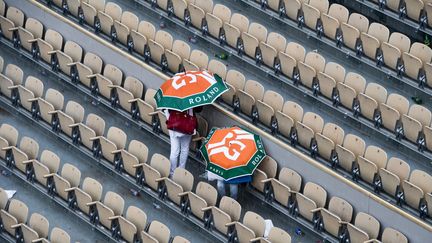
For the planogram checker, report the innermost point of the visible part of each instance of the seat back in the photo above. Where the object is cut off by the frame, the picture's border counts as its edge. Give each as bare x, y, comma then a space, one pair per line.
293, 110
94, 62
96, 123
14, 73
341, 208
30, 147
258, 31
290, 178
355, 144
398, 102
34, 85
316, 61
75, 110
93, 188
254, 222
278, 235
398, 167
222, 12
335, 70
184, 178
392, 235
359, 21
135, 86
39, 224
255, 89
3, 199
316, 193
313, 121
72, 174
50, 160
9, 133
368, 223
115, 202
207, 192
164, 38
296, 50
55, 98
400, 41
421, 114
59, 236
421, 179
334, 132
159, 231
137, 217
421, 51
117, 136
139, 150
231, 207
217, 67
161, 164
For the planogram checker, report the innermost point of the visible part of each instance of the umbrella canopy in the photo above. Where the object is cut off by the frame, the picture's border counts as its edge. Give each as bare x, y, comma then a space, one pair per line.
189, 89
232, 152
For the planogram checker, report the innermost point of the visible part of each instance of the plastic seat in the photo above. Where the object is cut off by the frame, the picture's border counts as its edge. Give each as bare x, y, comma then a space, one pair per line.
33, 29
338, 211
365, 227
392, 110
428, 9
8, 137
252, 92
276, 235
36, 228
128, 22
229, 210
370, 100
392, 176
59, 236
235, 81
205, 195
372, 40
351, 31
111, 13
33, 88
269, 50
353, 85
179, 7
133, 158
16, 213
1, 64
217, 67
74, 7
312, 11
28, 149
91, 65
140, 37
415, 60
147, 106
181, 182
179, 239
163, 40
313, 64
69, 177
331, 136
48, 163
414, 9
347, 154
90, 10
71, 53
159, 167
90, 192
253, 226
112, 75
14, 18
2, 7
392, 50
198, 10
256, 34
132, 224
416, 188
266, 169
289, 116
217, 18
12, 76
288, 183
392, 235
232, 30
114, 140
267, 108
112, 205
313, 197
175, 57
373, 160
162, 122
74, 113
4, 200
288, 59
132, 89
418, 116
333, 74
197, 61
157, 233
292, 8
337, 14
94, 126
312, 123
52, 41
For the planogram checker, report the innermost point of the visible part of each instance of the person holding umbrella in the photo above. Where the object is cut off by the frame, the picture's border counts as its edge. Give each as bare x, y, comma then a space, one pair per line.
177, 97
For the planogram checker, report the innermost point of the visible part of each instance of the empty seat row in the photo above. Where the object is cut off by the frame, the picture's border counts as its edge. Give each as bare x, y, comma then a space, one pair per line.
14, 221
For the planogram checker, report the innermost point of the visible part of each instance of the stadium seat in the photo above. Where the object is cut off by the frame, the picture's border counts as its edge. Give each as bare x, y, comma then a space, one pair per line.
416, 191
353, 85
94, 126
205, 195
140, 37
146, 106
90, 10
198, 10
372, 40
58, 236
313, 197
14, 18
175, 57
235, 81
123, 28
269, 50
287, 118
157, 233
331, 21
48, 163
414, 8
53, 101
351, 30
16, 213
365, 227
292, 8
112, 205
132, 89
393, 175
179, 239
8, 137
162, 127
232, 30
52, 41
418, 117
312, 11
33, 29
197, 61
253, 226
329, 78
252, 92
71, 53
163, 40
217, 67
352, 147
132, 159
115, 140
69, 177
370, 164
216, 19
266, 169
267, 108
180, 7
229, 210
327, 140
158, 168
13, 75
36, 228
4, 201
33, 88
28, 149
73, 113
312, 65
392, 50
111, 13
414, 61
392, 110
283, 188
338, 211
74, 7
131, 225
91, 65
427, 131
90, 192
392, 235
1, 64
370, 100
288, 59
2, 8
312, 123
181, 182
251, 39
276, 235
112, 75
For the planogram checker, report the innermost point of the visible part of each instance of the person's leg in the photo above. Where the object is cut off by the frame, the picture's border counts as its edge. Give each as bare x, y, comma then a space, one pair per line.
221, 188
175, 152
234, 191
184, 150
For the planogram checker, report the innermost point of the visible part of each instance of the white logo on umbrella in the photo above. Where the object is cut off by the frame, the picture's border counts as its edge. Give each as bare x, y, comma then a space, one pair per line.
221, 147
181, 76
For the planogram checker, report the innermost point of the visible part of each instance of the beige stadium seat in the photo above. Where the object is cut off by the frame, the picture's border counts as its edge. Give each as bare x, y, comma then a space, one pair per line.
132, 224
33, 29
333, 74
266, 169
205, 195
415, 8
13, 75
159, 167
111, 13
416, 59
391, 111
14, 18
157, 233
181, 182
353, 85
163, 40
312, 11
370, 100
133, 158
52, 41
235, 81
198, 10
351, 31
428, 9
418, 117
4, 201
372, 40
273, 4
69, 177
312, 65
140, 37
392, 50
112, 205
253, 226
276, 235
123, 28
94, 126
269, 50
8, 137
180, 7
132, 89
163, 4
90, 192
217, 67
1, 64
289, 116
90, 10
338, 211
327, 140
393, 5
114, 140
2, 7
17, 213
252, 92
73, 113
33, 88
365, 227
217, 18
288, 59
36, 228
54, 100
74, 7
197, 61
288, 182
312, 123
353, 146
59, 236
112, 75
162, 120
232, 30
28, 149
179, 239
175, 57
393, 175
313, 197
48, 163
337, 14
267, 108
292, 8
251, 39
392, 235
229, 210
418, 188
71, 53
370, 164
91, 65
147, 106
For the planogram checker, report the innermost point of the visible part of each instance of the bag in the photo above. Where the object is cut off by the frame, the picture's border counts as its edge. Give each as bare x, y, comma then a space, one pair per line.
181, 122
